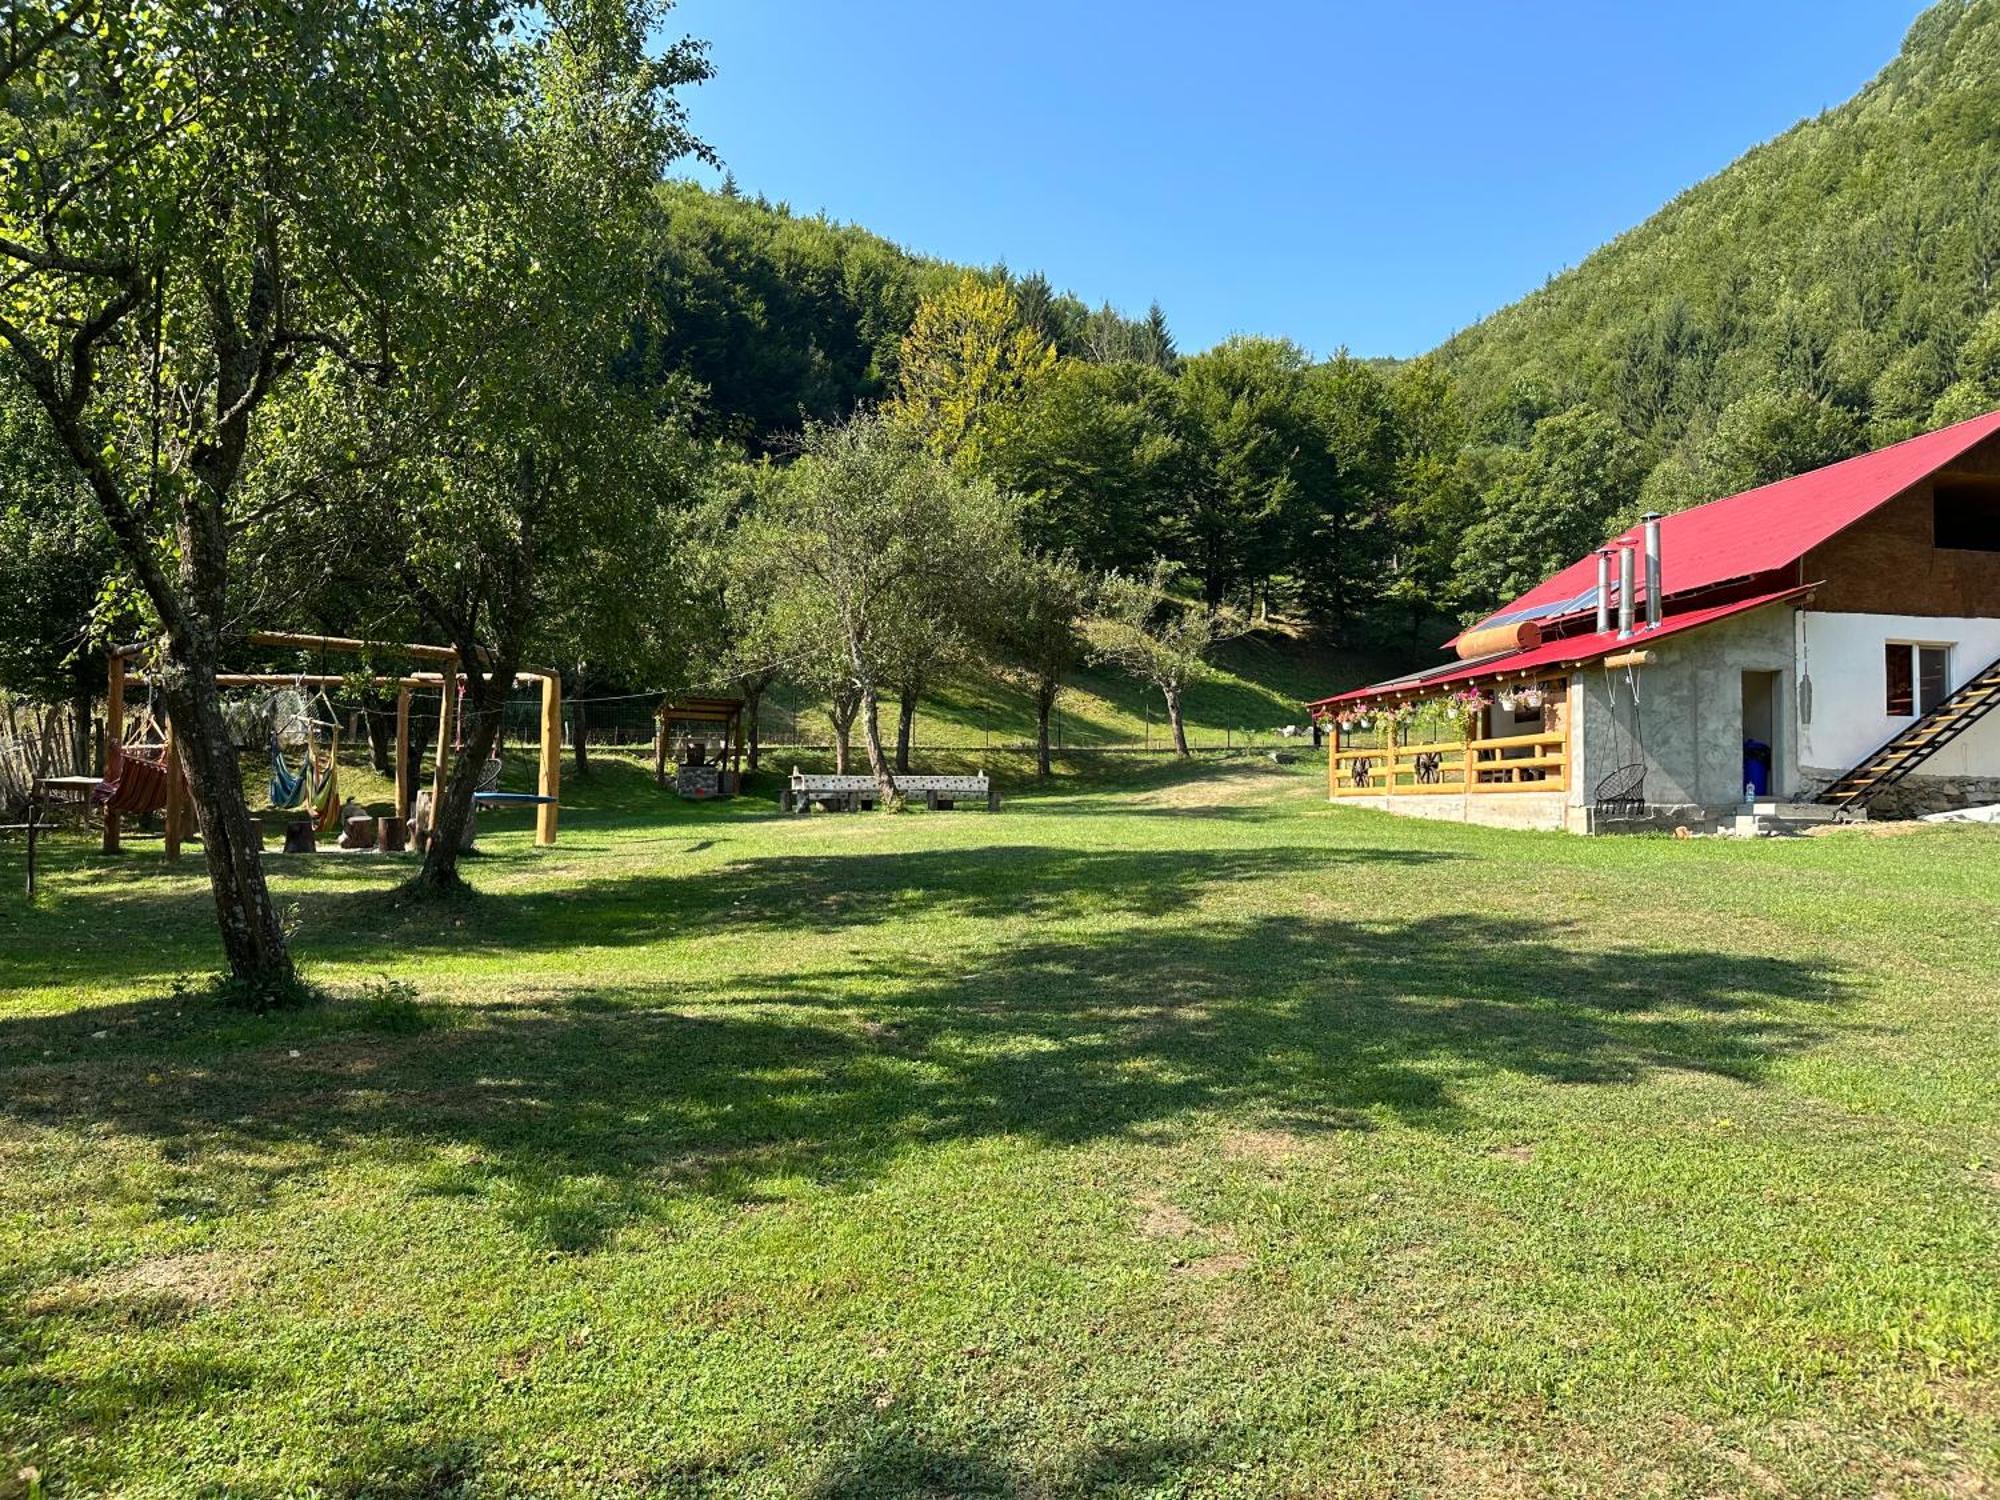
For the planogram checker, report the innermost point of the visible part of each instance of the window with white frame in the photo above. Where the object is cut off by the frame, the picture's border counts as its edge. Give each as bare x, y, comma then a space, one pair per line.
1916, 678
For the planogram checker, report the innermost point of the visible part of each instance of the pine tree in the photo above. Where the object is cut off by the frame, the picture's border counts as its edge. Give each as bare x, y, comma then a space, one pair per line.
1154, 343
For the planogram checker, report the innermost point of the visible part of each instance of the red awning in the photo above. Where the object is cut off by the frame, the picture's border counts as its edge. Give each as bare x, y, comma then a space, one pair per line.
1553, 656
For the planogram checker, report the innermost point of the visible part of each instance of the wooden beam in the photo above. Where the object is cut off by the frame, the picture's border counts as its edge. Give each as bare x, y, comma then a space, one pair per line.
303, 679
114, 737
550, 785
1629, 659
346, 645
447, 710
403, 792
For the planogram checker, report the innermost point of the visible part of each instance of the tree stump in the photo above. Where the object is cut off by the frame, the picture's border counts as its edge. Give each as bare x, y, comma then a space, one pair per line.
299, 837
392, 835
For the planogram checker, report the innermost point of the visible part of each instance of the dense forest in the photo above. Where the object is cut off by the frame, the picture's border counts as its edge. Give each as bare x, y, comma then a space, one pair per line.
1831, 291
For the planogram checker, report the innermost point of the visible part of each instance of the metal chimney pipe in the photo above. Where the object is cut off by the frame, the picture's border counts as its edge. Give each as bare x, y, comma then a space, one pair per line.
1625, 591
1652, 521
1603, 589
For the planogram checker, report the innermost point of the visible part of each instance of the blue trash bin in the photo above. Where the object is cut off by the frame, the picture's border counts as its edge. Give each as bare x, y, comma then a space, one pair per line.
1757, 767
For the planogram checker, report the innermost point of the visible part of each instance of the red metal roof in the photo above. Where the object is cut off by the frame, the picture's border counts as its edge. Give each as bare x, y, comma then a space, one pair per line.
1774, 526
1568, 651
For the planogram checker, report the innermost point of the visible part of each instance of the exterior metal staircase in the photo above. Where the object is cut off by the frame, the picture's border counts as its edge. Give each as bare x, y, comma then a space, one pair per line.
1918, 743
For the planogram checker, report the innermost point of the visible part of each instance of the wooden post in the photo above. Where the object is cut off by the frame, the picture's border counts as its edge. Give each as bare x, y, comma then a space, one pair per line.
403, 754
1333, 761
660, 748
447, 711
551, 778
114, 738
34, 827
176, 794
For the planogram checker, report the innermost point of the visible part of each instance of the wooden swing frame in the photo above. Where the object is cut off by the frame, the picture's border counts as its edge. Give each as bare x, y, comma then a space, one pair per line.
445, 681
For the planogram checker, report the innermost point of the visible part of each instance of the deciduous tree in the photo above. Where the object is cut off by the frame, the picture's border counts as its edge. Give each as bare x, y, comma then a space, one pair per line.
1146, 628
200, 204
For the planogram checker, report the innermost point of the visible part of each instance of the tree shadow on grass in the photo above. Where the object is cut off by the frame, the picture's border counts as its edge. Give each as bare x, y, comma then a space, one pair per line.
587, 1109
895, 1456
574, 1113
140, 931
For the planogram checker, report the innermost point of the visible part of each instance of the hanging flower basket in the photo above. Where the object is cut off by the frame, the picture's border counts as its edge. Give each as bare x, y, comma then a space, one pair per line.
1466, 706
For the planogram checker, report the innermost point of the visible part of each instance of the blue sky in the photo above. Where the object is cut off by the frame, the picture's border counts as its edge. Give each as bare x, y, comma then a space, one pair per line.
1368, 175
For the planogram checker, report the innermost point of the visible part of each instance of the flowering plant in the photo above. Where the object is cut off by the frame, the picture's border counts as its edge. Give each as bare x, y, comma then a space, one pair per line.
1393, 716
1466, 705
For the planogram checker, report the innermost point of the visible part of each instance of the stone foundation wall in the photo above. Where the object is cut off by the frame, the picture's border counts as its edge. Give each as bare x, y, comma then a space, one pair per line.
1654, 817
1915, 795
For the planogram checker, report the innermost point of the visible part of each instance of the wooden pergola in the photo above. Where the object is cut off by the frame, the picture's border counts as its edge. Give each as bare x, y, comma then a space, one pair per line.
445, 681
725, 714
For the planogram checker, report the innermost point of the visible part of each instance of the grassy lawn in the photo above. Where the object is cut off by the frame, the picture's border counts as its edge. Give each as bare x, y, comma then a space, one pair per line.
1260, 681
1167, 1135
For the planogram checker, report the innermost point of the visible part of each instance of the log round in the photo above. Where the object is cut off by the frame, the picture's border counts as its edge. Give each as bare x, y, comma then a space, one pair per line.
1497, 638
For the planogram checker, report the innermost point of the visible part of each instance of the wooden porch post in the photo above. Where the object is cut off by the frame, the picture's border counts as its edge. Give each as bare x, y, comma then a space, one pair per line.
1333, 761
403, 753
551, 768
447, 712
114, 737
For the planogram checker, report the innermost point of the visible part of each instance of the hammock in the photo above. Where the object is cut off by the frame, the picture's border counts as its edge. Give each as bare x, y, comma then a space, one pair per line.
287, 786
324, 792
138, 787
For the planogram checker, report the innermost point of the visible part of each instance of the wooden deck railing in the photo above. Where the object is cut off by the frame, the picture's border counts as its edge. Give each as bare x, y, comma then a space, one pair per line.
1523, 763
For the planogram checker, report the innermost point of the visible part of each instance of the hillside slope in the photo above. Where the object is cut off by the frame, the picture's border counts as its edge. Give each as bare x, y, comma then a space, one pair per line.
1845, 263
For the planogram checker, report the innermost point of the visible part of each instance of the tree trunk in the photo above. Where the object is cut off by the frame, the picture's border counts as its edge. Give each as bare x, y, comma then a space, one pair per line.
753, 695
871, 731
906, 725
1045, 703
381, 735
253, 939
842, 713
485, 697
580, 731
79, 705
1173, 697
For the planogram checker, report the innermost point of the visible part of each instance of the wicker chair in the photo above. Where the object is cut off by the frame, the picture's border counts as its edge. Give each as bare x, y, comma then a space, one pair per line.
1622, 794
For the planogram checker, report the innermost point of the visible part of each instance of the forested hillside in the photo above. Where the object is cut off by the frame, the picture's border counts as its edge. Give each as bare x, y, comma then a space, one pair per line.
1829, 290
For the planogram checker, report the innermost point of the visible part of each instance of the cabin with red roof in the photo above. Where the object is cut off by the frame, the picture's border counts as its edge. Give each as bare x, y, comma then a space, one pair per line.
1825, 646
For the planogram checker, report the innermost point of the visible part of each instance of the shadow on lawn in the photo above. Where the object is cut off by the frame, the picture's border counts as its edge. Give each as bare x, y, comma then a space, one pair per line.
587, 1111
571, 1113
894, 1458
138, 930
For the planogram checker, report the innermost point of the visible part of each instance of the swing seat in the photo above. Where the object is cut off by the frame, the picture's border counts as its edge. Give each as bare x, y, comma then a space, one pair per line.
138, 788
1622, 794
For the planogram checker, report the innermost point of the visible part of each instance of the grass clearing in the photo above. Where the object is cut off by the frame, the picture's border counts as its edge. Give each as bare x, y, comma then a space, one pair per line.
1169, 1132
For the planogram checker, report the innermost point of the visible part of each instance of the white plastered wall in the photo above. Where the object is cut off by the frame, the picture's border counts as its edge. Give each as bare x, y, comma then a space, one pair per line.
1843, 655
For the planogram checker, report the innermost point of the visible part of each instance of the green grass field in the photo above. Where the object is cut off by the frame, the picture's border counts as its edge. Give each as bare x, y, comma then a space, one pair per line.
1169, 1133
1260, 682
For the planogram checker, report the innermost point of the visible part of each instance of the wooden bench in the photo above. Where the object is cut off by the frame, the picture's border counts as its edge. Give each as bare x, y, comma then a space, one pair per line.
854, 793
